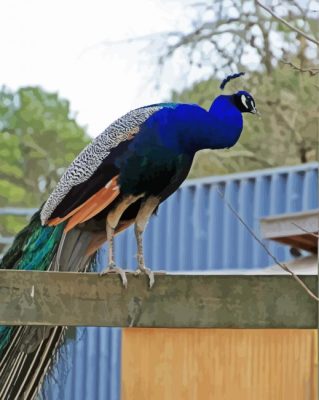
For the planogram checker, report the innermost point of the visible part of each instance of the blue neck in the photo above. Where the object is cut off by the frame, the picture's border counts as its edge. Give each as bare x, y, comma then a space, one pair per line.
186, 128
227, 122
217, 129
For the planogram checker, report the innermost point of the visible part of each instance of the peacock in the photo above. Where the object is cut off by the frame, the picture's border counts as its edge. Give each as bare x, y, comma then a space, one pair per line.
118, 180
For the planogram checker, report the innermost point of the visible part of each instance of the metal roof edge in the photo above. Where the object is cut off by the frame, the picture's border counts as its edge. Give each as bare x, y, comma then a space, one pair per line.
17, 211
251, 174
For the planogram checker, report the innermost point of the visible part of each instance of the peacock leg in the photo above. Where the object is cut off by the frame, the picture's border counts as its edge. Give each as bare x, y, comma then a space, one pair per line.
112, 221
111, 264
143, 216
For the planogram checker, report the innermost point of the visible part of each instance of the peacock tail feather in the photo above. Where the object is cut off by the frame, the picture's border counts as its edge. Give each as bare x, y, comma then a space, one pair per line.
34, 247
27, 352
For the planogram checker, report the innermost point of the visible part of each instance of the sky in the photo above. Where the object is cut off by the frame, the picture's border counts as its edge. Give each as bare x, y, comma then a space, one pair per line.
59, 46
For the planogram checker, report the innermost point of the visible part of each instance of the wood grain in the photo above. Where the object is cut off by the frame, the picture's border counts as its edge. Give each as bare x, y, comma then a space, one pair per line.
196, 364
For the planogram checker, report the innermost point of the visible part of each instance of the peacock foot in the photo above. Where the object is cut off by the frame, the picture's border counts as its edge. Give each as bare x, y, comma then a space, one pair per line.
112, 268
141, 269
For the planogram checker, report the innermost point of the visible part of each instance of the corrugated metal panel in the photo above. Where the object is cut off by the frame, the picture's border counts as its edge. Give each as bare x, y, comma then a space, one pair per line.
194, 230
88, 367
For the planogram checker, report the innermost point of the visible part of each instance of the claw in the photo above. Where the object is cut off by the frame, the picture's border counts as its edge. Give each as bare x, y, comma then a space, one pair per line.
111, 268
148, 272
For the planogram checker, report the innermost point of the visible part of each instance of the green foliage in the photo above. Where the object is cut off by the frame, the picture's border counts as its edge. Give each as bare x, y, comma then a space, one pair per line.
39, 137
285, 134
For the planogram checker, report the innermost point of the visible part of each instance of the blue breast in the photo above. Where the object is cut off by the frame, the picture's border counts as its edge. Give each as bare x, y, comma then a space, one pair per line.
167, 141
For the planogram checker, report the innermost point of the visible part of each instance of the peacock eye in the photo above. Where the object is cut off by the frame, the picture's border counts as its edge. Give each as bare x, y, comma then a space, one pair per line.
243, 100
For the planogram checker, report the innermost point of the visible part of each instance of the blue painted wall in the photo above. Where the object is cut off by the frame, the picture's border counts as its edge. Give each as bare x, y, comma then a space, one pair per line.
194, 230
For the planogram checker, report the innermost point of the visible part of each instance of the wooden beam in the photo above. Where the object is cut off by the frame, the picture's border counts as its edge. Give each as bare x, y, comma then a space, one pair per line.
219, 301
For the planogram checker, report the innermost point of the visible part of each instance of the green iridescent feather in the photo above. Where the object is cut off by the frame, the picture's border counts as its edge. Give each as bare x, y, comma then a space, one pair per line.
33, 249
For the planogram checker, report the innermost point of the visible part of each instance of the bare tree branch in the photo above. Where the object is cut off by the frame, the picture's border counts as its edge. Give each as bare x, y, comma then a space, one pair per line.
141, 38
311, 39
311, 71
219, 38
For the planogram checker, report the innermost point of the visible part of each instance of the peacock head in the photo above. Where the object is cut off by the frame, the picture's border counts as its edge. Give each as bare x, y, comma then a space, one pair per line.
243, 100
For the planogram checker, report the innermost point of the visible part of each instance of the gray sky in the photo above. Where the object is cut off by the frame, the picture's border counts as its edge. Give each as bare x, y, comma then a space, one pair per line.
58, 45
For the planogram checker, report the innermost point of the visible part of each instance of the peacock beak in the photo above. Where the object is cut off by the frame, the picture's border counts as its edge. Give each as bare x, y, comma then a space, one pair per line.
255, 111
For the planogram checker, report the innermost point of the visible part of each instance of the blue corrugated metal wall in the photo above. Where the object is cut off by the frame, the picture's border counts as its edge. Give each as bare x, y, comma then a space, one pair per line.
194, 230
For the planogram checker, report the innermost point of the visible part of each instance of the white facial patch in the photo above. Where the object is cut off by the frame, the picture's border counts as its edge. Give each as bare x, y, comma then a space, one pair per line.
243, 100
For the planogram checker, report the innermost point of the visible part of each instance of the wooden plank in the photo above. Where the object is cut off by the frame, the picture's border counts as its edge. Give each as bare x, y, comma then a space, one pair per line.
285, 224
286, 229
222, 364
74, 299
304, 242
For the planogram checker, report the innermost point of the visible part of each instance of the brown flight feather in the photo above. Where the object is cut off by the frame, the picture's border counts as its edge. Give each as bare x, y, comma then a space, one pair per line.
95, 204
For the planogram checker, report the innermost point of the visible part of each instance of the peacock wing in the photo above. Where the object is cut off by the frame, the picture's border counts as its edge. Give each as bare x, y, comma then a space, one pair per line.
92, 175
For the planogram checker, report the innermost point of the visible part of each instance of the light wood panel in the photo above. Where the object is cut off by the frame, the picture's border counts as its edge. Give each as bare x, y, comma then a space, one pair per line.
221, 364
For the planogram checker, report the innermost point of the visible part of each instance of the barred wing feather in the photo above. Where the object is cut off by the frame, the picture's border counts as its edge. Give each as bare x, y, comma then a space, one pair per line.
89, 160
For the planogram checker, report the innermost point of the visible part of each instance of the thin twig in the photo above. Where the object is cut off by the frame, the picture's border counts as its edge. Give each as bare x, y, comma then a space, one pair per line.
304, 230
283, 266
140, 38
311, 71
311, 39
